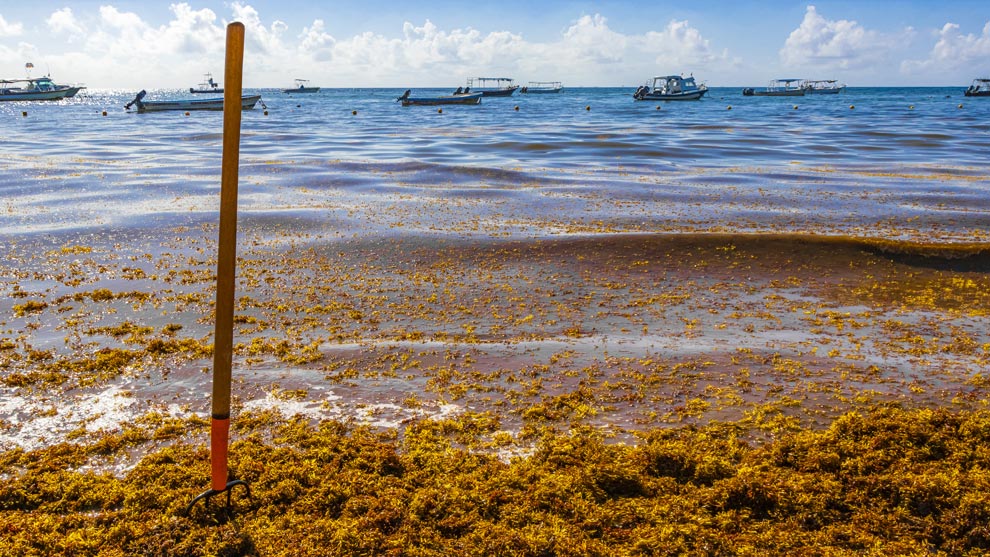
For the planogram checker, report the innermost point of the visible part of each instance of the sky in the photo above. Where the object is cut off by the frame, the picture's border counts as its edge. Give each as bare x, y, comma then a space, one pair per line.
129, 44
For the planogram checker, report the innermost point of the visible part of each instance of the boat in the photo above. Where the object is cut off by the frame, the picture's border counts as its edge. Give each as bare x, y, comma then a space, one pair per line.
36, 89
541, 87
459, 97
778, 88
822, 87
247, 103
209, 86
492, 86
979, 88
671, 88
301, 87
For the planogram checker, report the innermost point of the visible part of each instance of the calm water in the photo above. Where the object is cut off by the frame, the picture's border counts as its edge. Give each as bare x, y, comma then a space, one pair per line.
908, 157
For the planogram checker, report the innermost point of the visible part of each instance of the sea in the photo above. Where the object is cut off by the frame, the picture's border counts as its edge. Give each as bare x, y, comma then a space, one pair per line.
348, 200
902, 163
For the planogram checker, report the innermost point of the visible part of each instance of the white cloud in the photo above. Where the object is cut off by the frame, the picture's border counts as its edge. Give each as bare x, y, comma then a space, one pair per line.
10, 29
954, 53
64, 21
834, 44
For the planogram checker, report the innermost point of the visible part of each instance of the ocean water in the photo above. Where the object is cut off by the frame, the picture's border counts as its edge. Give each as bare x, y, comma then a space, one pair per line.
892, 162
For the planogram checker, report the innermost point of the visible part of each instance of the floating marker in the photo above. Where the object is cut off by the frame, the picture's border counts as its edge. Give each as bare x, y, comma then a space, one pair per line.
911, 107
729, 107
658, 107
298, 106
104, 112
266, 113
24, 114
517, 108
795, 107
852, 106
187, 114
588, 107
960, 106
439, 111
354, 112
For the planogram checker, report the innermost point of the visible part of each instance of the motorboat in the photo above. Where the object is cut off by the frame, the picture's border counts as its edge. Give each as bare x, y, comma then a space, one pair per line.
671, 88
492, 86
822, 87
542, 87
778, 88
209, 86
459, 97
36, 89
979, 88
247, 103
301, 87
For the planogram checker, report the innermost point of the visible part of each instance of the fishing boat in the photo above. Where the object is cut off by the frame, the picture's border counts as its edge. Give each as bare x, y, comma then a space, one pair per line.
209, 86
35, 89
492, 86
778, 88
822, 87
979, 88
247, 103
301, 87
542, 87
671, 88
460, 97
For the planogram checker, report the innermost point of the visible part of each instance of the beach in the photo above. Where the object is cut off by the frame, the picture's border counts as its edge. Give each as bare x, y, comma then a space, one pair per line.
624, 270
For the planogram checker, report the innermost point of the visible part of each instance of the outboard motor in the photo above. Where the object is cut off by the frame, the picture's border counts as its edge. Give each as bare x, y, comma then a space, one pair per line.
748, 92
137, 100
404, 95
640, 92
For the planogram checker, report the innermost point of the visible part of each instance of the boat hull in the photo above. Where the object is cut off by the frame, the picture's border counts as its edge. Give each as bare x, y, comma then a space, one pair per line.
529, 91
247, 103
788, 93
498, 92
206, 91
835, 91
13, 95
473, 98
302, 90
977, 93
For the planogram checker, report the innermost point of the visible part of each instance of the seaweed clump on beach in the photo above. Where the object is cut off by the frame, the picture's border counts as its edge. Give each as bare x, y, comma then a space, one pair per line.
890, 481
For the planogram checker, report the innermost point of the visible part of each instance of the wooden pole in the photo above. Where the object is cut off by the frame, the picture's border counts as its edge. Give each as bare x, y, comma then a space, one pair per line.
227, 257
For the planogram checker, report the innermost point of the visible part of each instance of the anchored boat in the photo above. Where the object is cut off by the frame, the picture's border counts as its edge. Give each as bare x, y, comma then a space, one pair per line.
35, 89
671, 88
247, 103
542, 87
979, 88
822, 87
209, 86
301, 87
778, 88
459, 97
492, 86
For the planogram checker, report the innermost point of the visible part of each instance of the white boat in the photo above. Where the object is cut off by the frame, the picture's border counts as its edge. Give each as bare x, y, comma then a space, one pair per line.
979, 88
457, 98
209, 86
671, 88
247, 103
35, 89
778, 88
301, 87
822, 87
492, 86
542, 87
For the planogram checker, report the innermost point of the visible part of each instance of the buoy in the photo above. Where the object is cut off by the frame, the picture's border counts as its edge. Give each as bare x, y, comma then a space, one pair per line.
911, 107
960, 106
354, 112
187, 114
24, 114
852, 106
658, 107
795, 107
517, 108
439, 111
588, 107
298, 106
266, 113
104, 112
729, 107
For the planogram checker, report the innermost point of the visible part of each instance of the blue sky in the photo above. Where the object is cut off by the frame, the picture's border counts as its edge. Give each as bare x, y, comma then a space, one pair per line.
348, 43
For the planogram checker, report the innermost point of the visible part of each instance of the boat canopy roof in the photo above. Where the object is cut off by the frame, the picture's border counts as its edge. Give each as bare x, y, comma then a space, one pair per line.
788, 80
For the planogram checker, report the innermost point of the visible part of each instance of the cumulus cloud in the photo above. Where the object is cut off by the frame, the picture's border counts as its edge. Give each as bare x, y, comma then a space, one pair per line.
834, 44
10, 29
64, 21
954, 51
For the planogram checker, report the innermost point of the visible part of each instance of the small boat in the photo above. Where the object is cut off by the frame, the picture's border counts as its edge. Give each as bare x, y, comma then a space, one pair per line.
492, 86
822, 87
671, 88
301, 87
247, 103
459, 97
979, 88
541, 87
36, 89
778, 88
209, 86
